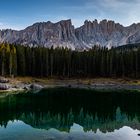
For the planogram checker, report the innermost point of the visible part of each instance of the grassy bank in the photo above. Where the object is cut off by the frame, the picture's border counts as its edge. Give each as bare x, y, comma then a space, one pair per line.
77, 81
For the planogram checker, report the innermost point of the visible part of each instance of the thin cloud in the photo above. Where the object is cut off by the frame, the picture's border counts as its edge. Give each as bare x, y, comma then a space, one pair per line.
124, 11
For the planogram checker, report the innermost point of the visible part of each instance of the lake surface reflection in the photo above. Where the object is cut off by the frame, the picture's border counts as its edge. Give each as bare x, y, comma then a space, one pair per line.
70, 114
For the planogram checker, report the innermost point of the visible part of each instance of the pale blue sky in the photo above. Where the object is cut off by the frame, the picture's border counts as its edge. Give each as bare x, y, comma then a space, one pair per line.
18, 14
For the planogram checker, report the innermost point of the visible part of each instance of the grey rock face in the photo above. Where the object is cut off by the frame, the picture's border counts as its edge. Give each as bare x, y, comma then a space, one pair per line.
36, 87
47, 34
107, 33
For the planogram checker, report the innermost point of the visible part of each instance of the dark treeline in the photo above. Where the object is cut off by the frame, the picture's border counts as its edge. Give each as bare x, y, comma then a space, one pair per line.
62, 62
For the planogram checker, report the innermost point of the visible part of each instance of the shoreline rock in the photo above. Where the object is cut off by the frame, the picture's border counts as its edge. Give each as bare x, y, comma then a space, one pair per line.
35, 86
4, 86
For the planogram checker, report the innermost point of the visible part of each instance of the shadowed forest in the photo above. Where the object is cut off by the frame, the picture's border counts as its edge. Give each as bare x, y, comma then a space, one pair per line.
17, 60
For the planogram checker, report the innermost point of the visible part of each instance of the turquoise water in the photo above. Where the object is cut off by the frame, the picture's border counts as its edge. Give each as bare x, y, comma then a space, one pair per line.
70, 114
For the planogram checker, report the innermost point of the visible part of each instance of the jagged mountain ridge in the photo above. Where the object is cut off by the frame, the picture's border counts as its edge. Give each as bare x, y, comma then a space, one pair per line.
105, 33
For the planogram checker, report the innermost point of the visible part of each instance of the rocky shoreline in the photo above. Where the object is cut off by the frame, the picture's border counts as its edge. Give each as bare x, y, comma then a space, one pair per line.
20, 85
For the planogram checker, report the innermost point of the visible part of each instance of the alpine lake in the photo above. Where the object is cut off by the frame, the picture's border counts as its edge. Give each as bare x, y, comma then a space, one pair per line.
70, 114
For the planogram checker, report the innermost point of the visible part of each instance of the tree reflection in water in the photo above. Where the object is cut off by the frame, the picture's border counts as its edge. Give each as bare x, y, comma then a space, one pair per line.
61, 107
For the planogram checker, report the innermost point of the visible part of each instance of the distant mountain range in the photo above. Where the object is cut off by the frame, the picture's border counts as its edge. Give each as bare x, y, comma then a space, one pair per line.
105, 33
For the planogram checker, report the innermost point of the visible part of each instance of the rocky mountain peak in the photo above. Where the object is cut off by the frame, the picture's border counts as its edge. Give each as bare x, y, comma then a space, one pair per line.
105, 33
66, 22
